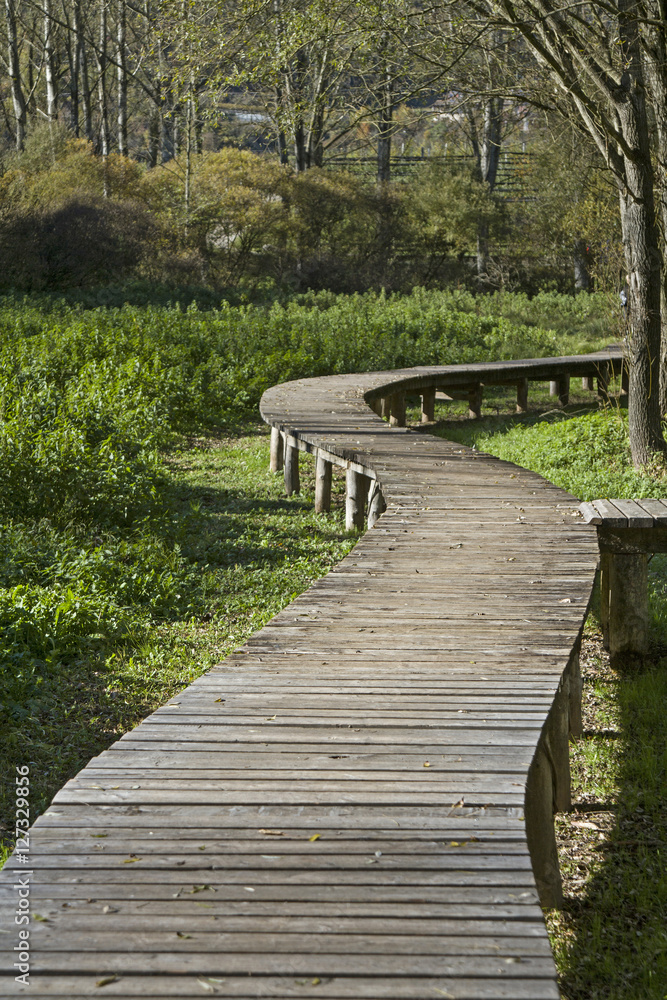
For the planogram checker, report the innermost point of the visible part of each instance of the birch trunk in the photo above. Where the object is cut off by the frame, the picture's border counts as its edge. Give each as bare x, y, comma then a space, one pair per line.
121, 75
14, 67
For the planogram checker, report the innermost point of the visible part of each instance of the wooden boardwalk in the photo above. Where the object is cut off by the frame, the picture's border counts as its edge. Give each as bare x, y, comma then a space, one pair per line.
358, 803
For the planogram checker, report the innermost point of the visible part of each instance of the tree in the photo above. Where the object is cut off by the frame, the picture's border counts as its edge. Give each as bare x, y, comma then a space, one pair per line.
600, 60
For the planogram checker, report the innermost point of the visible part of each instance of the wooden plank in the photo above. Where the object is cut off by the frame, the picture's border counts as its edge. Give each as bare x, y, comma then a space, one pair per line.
657, 509
590, 514
189, 987
637, 517
610, 513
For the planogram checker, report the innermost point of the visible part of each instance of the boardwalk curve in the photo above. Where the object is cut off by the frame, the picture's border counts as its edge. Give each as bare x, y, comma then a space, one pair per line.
359, 802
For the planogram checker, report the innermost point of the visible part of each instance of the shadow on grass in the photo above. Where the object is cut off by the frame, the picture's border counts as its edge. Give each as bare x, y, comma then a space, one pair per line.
613, 930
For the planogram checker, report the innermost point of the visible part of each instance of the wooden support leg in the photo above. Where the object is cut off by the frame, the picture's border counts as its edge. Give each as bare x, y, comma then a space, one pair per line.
428, 405
603, 383
605, 565
376, 503
397, 410
355, 502
475, 396
587, 383
376, 405
564, 390
557, 746
575, 688
385, 408
276, 454
628, 607
292, 483
539, 811
553, 387
522, 396
322, 485
625, 384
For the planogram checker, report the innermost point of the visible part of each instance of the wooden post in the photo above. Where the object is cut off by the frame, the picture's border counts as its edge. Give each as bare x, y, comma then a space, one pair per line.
540, 833
605, 565
475, 395
322, 484
397, 409
292, 483
628, 607
522, 396
575, 690
587, 383
376, 503
376, 405
553, 387
428, 405
385, 407
603, 383
355, 502
625, 383
276, 453
556, 737
563, 390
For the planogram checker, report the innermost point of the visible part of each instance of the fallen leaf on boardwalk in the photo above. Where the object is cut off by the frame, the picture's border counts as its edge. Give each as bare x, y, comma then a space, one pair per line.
130, 861
444, 993
107, 980
315, 836
200, 888
457, 805
270, 718
272, 833
566, 600
458, 545
40, 918
316, 981
454, 843
206, 986
109, 909
202, 847
426, 763
180, 934
219, 699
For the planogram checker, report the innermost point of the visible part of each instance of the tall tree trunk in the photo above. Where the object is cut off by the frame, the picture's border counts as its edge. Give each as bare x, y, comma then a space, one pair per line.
50, 74
74, 60
102, 92
154, 133
642, 251
385, 117
84, 80
487, 154
121, 75
14, 65
301, 157
656, 75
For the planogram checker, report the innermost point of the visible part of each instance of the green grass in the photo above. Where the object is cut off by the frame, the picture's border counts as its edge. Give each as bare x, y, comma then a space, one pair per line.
184, 588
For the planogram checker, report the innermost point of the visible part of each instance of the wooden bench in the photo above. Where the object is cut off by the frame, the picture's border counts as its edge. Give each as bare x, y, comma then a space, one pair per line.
358, 802
628, 530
